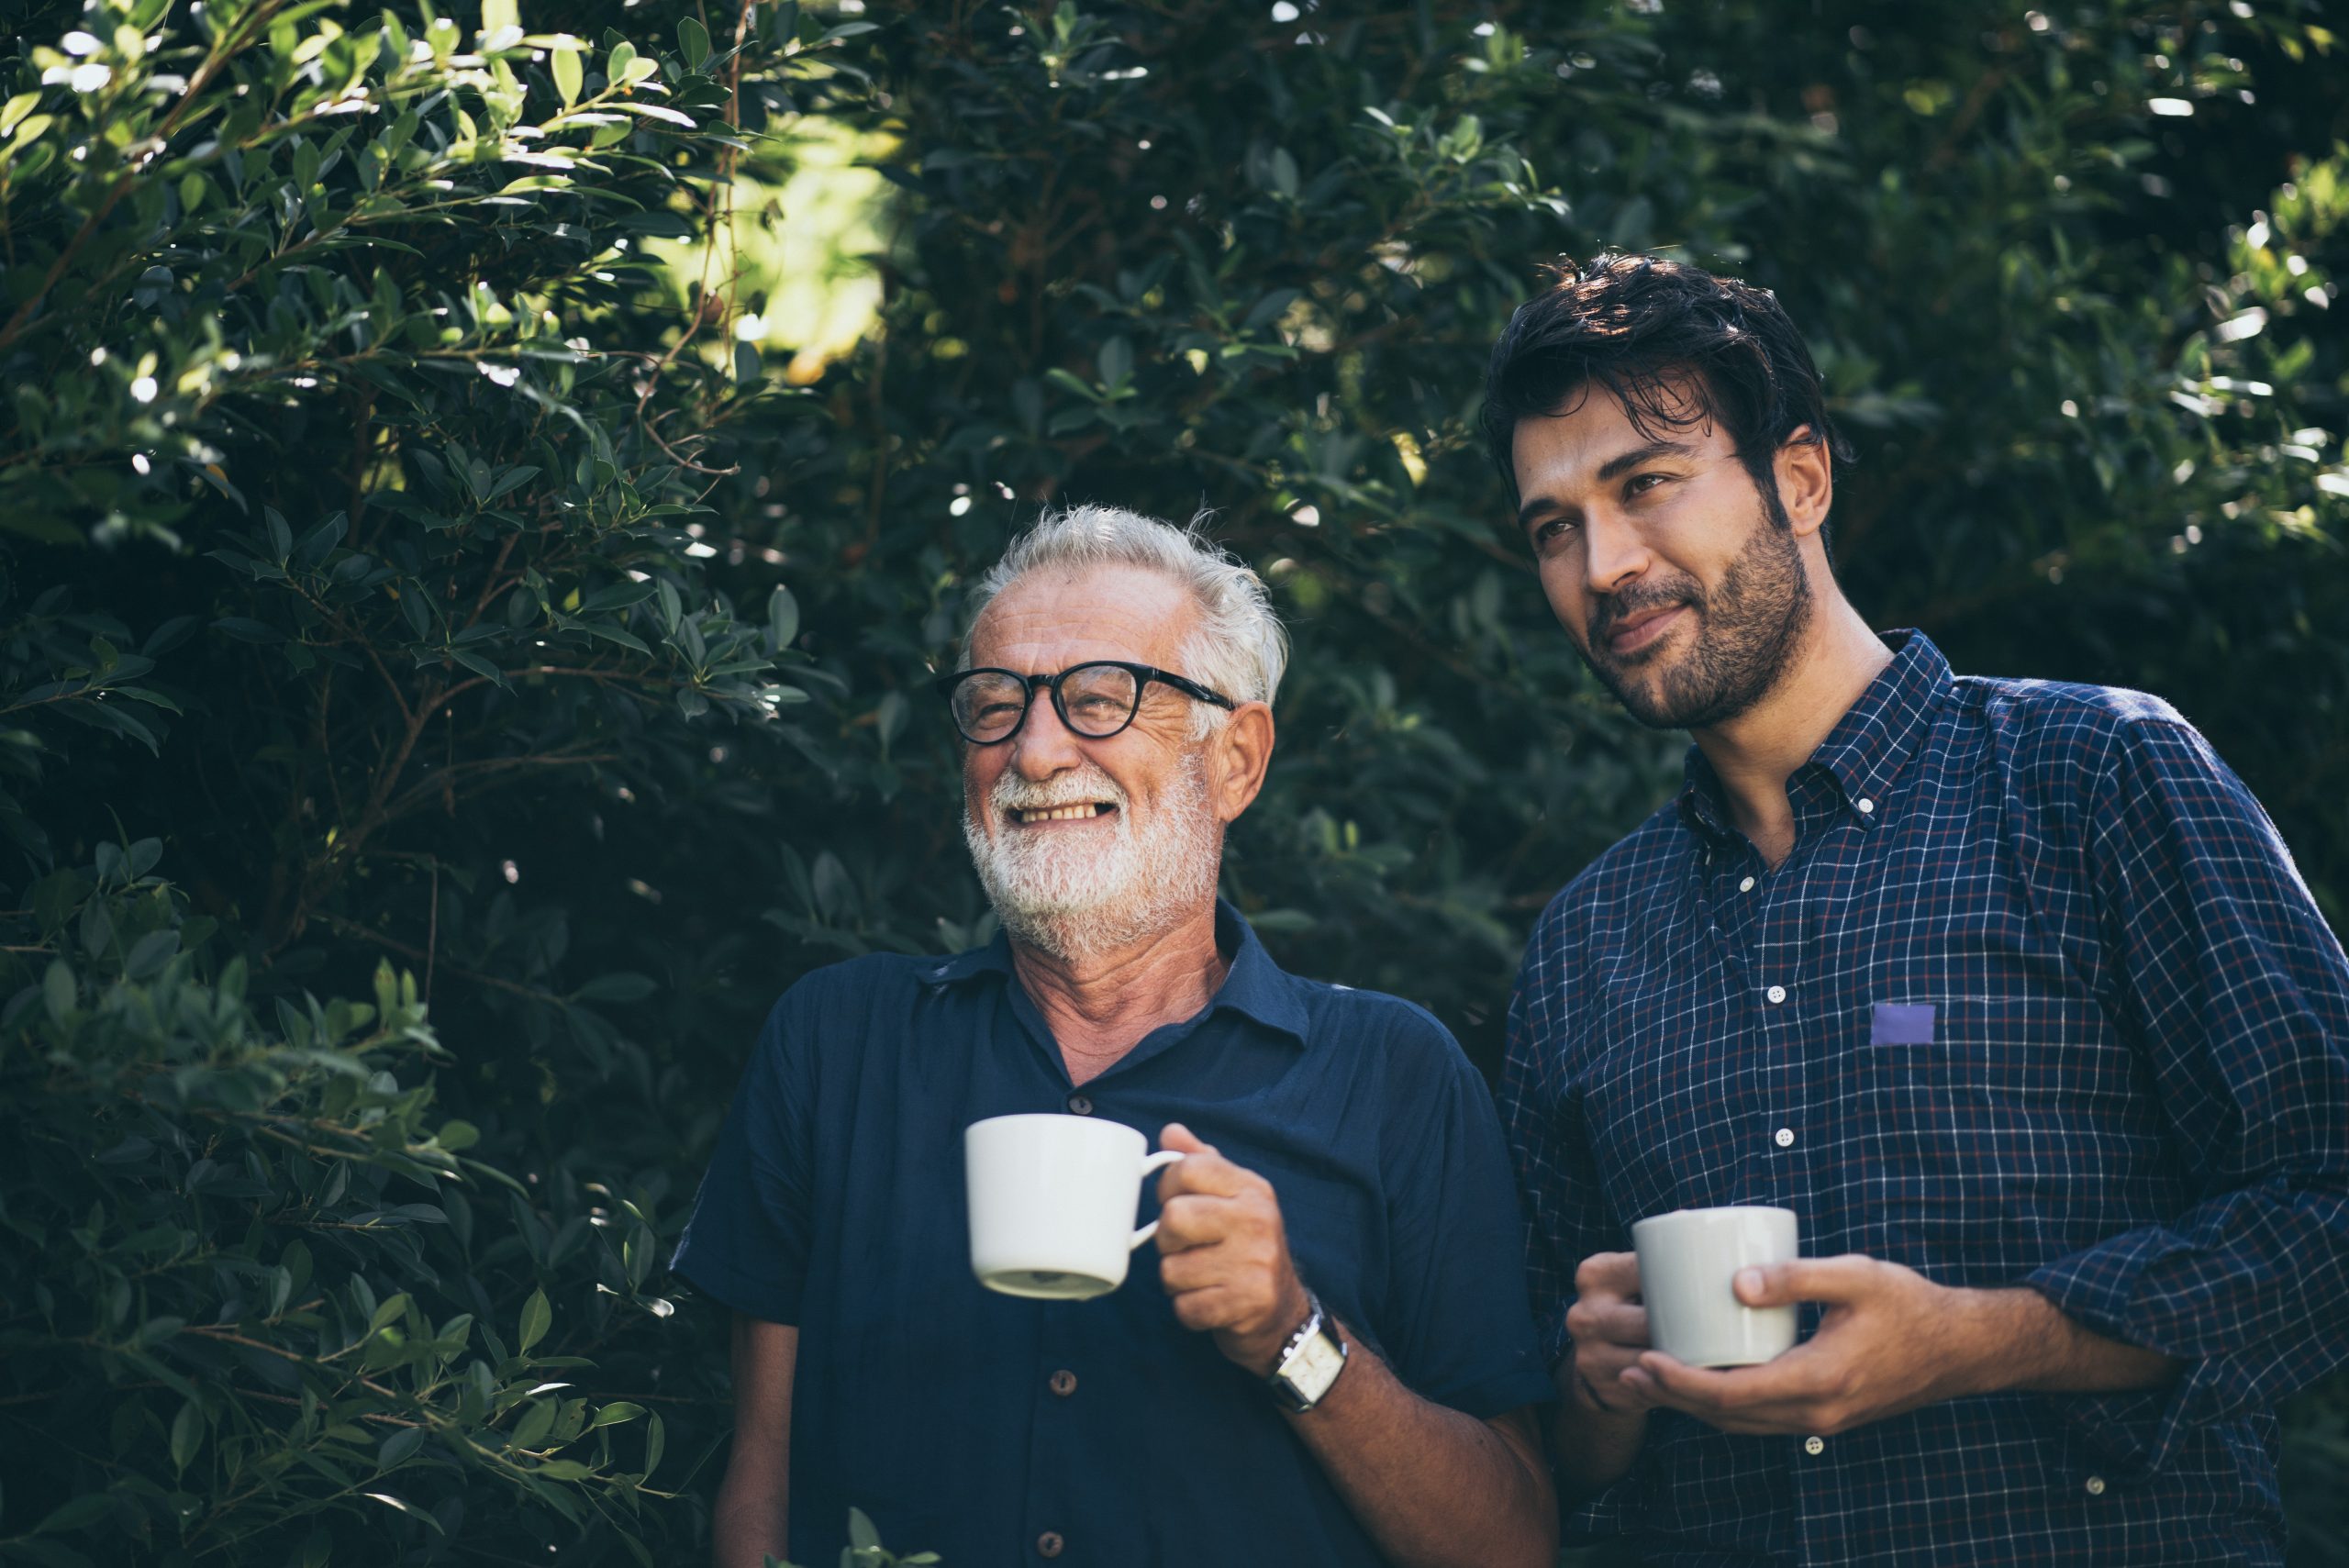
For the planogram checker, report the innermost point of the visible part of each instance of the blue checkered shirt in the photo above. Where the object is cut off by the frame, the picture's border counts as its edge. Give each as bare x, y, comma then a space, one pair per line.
2037, 999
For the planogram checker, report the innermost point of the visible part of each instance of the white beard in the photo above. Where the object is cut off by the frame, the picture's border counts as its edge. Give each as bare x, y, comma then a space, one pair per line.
1079, 899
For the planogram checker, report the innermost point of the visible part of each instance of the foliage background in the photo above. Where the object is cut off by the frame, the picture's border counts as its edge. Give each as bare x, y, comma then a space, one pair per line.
525, 587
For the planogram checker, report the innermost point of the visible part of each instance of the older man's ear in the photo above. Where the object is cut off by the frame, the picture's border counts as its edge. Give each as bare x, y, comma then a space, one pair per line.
1238, 754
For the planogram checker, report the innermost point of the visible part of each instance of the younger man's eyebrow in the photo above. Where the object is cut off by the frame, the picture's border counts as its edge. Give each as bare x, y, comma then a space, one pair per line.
1613, 468
1623, 462
1535, 506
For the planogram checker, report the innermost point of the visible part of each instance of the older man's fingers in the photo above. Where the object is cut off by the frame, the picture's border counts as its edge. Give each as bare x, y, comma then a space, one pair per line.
1176, 1136
1207, 1172
1193, 1268
1193, 1219
1209, 1308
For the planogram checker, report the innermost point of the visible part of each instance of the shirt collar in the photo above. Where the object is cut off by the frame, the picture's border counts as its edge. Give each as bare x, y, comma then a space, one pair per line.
1252, 986
1862, 755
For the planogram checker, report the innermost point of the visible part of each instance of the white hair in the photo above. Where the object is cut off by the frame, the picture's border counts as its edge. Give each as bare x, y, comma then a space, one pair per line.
1239, 647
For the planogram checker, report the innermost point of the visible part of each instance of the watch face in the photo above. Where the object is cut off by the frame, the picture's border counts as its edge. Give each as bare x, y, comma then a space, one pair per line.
1316, 1365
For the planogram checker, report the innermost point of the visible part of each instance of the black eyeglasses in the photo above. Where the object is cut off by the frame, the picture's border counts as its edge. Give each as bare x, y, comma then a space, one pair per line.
1095, 700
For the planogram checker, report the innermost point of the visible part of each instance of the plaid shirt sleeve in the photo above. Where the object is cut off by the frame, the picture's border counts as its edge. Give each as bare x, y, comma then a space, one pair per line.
2221, 965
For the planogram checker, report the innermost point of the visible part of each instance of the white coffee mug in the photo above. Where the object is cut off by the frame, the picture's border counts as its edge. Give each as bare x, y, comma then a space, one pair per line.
1689, 1259
1052, 1202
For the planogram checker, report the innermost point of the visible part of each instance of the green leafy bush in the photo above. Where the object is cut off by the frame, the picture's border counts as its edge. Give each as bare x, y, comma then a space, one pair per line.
337, 342
408, 555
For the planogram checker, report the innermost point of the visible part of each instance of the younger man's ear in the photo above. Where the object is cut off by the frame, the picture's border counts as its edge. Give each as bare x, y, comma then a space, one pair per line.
1805, 475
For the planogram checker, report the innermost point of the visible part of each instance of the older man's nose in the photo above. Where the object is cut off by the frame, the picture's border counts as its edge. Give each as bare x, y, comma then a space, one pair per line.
1045, 745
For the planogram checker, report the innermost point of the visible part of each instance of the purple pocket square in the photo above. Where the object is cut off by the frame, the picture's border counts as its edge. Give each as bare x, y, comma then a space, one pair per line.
1902, 1023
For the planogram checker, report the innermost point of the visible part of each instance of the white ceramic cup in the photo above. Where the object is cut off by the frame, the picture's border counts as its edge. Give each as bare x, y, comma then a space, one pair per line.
1687, 1261
1052, 1202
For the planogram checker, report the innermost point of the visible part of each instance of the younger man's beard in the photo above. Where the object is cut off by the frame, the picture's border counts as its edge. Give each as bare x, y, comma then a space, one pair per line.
1078, 899
1748, 631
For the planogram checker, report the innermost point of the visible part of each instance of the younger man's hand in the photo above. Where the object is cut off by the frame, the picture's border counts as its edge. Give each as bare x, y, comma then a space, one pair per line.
1889, 1341
1609, 1330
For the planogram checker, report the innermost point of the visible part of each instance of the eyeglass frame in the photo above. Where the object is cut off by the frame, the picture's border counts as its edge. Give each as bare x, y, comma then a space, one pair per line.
1142, 674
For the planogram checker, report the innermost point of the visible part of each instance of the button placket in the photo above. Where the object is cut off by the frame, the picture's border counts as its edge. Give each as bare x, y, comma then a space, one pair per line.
1784, 945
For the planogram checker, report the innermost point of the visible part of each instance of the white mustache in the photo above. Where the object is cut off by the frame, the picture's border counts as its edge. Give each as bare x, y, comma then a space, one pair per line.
1012, 793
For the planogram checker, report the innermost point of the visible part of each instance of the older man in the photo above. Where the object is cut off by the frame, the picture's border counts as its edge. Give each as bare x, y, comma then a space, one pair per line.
1333, 1361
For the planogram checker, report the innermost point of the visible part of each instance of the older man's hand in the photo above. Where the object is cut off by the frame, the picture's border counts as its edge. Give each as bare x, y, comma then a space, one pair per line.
1224, 1253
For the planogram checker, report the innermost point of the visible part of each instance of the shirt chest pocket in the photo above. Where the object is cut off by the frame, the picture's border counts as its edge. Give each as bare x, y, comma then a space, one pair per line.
1984, 1124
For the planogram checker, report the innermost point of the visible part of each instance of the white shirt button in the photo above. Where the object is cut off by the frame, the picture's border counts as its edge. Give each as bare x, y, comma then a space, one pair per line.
1867, 806
1814, 1445
1746, 887
1785, 1138
1777, 993
2096, 1485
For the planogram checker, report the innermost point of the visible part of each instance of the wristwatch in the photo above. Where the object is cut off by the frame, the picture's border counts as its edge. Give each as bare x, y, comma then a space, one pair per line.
1310, 1362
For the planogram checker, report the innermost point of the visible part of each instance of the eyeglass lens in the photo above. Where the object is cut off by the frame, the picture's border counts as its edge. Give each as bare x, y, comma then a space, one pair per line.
1095, 700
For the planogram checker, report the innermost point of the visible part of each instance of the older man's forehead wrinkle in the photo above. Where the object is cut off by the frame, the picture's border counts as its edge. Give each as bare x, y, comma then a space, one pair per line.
1044, 624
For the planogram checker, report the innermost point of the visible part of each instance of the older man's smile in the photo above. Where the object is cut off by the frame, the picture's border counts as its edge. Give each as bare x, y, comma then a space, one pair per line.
1037, 817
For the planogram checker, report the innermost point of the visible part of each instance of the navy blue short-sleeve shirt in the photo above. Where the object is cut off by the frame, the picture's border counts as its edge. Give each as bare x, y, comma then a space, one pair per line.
976, 1424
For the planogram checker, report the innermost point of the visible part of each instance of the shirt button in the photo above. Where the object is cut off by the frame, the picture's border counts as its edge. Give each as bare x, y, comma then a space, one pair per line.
2096, 1485
1080, 1104
1777, 993
1063, 1383
1049, 1544
1814, 1445
1784, 1138
1867, 806
1746, 887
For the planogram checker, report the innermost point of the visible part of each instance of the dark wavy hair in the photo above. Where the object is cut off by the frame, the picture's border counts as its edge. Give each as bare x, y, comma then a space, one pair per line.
1677, 346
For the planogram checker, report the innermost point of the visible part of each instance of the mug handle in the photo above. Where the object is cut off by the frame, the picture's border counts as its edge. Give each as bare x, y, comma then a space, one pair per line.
1164, 1157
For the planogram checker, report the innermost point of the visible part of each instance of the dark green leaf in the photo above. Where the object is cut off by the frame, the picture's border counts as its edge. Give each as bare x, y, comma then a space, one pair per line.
76, 1514
537, 1317
618, 986
399, 1446
188, 1435
782, 619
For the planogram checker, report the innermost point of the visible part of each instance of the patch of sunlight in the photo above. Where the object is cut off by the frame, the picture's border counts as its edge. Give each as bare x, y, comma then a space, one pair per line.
807, 220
